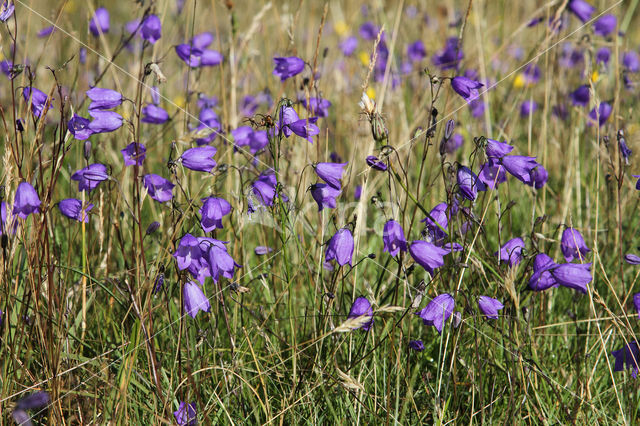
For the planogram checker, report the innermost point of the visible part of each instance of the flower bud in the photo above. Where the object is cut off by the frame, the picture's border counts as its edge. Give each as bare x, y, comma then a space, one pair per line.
87, 150
378, 129
448, 130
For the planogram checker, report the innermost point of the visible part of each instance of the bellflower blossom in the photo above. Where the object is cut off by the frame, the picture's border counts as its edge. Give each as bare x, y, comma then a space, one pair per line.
393, 238
340, 247
362, 307
437, 311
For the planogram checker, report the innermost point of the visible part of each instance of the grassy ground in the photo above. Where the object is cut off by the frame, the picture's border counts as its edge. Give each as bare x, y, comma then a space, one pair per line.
81, 319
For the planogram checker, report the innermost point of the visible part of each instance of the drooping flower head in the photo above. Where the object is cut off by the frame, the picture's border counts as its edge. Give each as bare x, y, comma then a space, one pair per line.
573, 245
573, 275
6, 10
199, 158
331, 173
153, 114
317, 106
466, 87
601, 113
469, 184
104, 121
437, 311
103, 98
427, 255
375, 163
542, 278
580, 96
79, 127
325, 195
636, 303
450, 56
90, 177
362, 307
489, 306
511, 251
393, 238
133, 154
627, 357
581, 9
151, 29
416, 345
26, 200
287, 67
186, 414
38, 99
159, 188
100, 22
436, 224
605, 25
194, 299
212, 211
416, 51
72, 208
340, 247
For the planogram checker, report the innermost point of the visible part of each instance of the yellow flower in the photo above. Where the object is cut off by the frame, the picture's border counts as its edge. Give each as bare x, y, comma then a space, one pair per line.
595, 76
519, 81
371, 93
341, 28
179, 101
364, 58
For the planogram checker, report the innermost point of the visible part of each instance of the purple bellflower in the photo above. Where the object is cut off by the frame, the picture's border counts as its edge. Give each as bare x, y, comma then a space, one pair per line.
103, 98
393, 238
466, 87
601, 113
317, 106
199, 159
489, 306
79, 127
573, 245
212, 211
331, 173
450, 56
72, 208
287, 67
427, 255
437, 311
416, 345
627, 357
605, 25
153, 114
580, 96
511, 251
436, 224
362, 307
194, 299
375, 163
416, 51
636, 303
104, 121
325, 195
38, 99
133, 154
468, 183
100, 22
151, 29
581, 9
632, 259
26, 200
349, 45
90, 177
159, 188
340, 247
186, 414
542, 278
6, 10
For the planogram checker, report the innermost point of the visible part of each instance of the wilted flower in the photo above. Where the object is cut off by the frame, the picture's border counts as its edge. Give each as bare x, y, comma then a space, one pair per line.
601, 113
26, 200
287, 67
100, 22
580, 96
72, 208
90, 177
325, 195
331, 173
362, 307
153, 114
212, 211
159, 188
151, 29
437, 311
605, 25
466, 87
489, 306
468, 183
262, 250
194, 299
393, 238
133, 154
79, 127
573, 245
427, 255
340, 247
199, 158
376, 164
627, 357
511, 251
103, 98
186, 414
581, 9
416, 345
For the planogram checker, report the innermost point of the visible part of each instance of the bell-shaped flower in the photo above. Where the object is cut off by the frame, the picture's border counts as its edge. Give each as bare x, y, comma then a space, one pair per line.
325, 195
151, 29
212, 211
286, 67
159, 188
79, 127
437, 311
199, 158
194, 299
542, 278
340, 247
393, 238
133, 154
331, 173
511, 251
186, 414
489, 306
90, 177
573, 275
100, 22
26, 201
154, 114
103, 98
573, 245
468, 183
466, 87
427, 255
72, 208
627, 357
362, 307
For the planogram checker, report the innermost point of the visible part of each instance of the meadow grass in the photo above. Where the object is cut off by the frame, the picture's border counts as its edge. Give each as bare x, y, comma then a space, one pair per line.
94, 314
